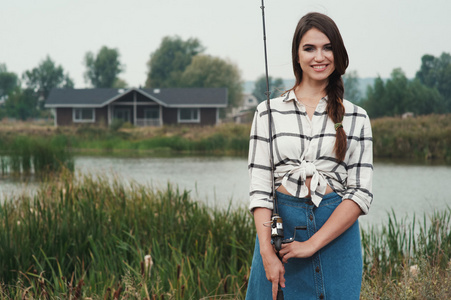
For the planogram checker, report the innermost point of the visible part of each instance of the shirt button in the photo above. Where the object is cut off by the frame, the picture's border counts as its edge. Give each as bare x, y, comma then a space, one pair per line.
321, 296
317, 269
310, 217
310, 202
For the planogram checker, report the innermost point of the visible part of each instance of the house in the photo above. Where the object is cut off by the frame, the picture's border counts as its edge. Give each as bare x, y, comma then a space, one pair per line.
245, 112
139, 106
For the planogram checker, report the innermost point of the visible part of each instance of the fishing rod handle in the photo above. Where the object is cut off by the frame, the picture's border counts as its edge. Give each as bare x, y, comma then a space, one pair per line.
279, 294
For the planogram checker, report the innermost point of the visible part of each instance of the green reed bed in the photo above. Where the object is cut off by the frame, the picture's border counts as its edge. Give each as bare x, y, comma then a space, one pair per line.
214, 144
422, 137
23, 155
90, 236
224, 139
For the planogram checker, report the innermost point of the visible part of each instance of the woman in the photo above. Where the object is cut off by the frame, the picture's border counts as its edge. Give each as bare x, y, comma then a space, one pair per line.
322, 147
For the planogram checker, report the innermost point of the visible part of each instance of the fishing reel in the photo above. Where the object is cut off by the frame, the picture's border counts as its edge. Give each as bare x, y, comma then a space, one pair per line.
277, 236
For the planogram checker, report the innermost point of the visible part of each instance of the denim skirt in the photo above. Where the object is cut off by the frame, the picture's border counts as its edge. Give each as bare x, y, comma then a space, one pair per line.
334, 272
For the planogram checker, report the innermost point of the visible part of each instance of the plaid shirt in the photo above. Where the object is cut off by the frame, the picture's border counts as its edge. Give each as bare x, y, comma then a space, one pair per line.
304, 148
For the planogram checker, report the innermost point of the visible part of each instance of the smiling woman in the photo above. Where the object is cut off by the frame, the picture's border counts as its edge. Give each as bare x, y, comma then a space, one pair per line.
319, 178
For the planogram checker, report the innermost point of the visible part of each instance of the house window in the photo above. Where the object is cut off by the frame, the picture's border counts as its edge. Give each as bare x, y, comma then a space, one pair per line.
84, 115
152, 113
122, 114
188, 115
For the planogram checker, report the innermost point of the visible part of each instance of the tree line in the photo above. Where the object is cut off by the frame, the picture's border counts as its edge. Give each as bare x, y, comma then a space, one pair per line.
429, 92
184, 63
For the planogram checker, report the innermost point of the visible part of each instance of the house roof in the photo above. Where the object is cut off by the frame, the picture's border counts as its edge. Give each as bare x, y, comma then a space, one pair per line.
170, 97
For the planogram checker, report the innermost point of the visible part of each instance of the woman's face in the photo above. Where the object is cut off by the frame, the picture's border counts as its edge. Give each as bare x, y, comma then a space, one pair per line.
315, 56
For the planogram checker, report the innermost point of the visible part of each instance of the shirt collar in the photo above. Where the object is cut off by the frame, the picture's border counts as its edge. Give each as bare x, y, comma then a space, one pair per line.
290, 95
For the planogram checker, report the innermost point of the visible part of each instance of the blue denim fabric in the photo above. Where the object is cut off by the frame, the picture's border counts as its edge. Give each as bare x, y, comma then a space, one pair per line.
334, 272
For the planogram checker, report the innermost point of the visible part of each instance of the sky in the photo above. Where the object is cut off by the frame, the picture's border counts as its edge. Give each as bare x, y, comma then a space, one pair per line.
379, 35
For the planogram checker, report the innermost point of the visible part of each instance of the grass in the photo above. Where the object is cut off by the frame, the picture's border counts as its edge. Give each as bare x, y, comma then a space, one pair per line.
402, 261
86, 237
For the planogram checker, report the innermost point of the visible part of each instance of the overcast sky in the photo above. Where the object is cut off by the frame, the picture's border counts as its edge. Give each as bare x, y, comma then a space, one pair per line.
379, 35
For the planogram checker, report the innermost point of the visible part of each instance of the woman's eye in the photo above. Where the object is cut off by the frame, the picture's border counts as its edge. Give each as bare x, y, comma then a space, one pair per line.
328, 48
308, 49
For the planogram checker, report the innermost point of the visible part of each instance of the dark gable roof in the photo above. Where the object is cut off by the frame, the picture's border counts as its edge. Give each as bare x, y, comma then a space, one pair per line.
80, 97
179, 97
175, 97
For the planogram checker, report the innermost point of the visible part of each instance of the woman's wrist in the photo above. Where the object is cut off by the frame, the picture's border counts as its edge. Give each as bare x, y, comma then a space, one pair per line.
266, 247
313, 245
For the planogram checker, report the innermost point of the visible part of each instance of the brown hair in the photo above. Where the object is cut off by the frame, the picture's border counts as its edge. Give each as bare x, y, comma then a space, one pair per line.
335, 87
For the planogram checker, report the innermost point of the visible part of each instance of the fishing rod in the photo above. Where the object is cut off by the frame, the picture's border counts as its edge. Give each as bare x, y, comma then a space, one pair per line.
276, 221
277, 235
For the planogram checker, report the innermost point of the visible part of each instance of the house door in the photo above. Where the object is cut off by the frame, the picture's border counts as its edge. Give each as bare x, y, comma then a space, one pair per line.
123, 114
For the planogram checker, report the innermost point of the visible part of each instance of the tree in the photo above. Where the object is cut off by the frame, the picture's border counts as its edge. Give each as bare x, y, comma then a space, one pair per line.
276, 87
435, 72
399, 95
209, 71
21, 104
425, 100
396, 90
104, 68
375, 98
45, 77
169, 61
8, 81
351, 84
120, 84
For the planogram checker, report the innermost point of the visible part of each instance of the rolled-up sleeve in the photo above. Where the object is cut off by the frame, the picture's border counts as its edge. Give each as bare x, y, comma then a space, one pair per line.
259, 165
360, 169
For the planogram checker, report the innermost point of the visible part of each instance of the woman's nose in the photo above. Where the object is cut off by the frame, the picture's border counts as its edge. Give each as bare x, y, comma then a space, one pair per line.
319, 56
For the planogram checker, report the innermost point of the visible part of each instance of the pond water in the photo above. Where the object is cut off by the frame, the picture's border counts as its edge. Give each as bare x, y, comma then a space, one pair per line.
221, 182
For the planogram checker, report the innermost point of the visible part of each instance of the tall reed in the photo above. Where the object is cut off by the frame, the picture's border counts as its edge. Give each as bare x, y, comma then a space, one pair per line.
398, 244
41, 155
403, 261
98, 232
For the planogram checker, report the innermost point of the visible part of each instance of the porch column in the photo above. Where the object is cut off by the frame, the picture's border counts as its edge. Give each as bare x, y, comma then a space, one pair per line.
109, 115
134, 109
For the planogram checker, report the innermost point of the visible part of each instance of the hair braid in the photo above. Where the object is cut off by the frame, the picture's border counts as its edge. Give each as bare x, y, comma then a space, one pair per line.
336, 111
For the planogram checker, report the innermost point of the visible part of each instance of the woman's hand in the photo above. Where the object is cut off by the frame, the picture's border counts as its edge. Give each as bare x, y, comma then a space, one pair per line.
346, 213
297, 249
274, 271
